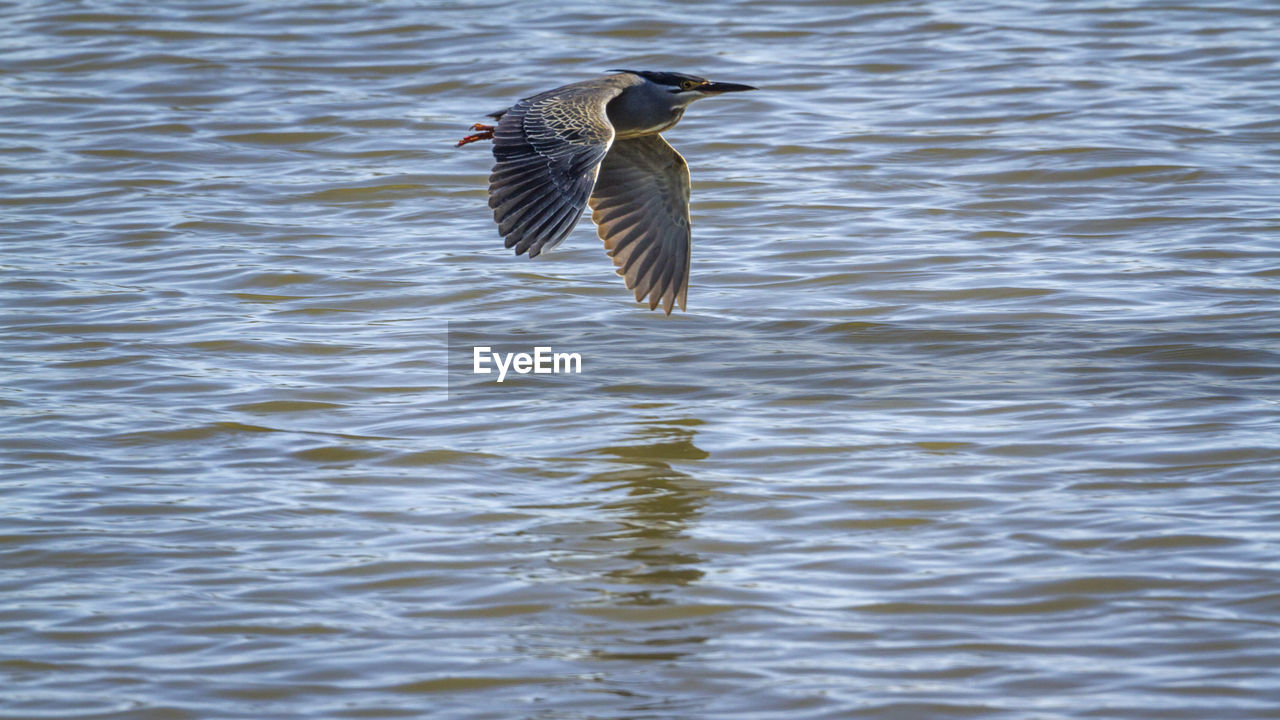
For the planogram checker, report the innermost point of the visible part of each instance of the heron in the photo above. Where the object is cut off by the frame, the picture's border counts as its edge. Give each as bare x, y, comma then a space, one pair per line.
598, 142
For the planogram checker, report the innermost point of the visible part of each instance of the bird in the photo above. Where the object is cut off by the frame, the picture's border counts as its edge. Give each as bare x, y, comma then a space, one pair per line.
598, 142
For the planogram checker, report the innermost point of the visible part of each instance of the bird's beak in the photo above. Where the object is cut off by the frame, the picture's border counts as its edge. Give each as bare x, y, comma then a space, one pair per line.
719, 87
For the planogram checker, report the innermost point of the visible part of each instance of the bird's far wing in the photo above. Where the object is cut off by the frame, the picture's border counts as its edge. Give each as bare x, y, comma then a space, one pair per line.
641, 210
548, 150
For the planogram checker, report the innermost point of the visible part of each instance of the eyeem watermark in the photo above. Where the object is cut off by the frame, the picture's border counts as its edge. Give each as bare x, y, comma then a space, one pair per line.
543, 361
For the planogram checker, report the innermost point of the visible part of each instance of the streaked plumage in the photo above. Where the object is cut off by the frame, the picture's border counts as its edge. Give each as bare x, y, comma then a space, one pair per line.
596, 142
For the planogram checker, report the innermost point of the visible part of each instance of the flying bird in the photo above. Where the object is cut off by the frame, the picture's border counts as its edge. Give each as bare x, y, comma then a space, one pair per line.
598, 143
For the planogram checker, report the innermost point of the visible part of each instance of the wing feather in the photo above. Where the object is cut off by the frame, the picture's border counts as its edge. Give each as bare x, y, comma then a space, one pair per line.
640, 206
547, 151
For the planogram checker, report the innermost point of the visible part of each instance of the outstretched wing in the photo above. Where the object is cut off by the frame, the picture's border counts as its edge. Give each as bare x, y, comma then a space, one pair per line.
641, 210
548, 150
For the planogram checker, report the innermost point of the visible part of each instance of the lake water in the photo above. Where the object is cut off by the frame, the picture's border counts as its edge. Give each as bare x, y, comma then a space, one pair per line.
974, 413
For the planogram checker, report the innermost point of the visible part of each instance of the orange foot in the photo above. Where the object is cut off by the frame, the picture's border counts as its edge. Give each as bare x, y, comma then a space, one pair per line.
486, 133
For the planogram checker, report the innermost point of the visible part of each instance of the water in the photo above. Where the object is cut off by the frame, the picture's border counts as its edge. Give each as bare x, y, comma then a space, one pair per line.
973, 413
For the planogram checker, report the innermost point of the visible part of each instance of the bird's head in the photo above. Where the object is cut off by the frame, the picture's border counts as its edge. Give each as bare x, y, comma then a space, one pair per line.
686, 88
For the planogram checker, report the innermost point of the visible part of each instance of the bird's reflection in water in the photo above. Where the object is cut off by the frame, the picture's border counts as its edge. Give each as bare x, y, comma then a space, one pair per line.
651, 570
655, 505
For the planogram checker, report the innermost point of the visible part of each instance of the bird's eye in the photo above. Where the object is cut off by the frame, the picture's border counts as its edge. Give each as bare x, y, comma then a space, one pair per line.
688, 85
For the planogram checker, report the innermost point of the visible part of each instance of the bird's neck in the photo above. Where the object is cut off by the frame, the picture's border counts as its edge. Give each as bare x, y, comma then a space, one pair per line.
633, 115
650, 125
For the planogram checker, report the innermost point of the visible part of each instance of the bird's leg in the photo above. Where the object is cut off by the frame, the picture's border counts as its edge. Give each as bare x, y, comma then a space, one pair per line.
486, 133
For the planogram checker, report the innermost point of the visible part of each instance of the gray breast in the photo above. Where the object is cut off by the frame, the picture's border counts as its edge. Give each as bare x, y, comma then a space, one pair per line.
643, 110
